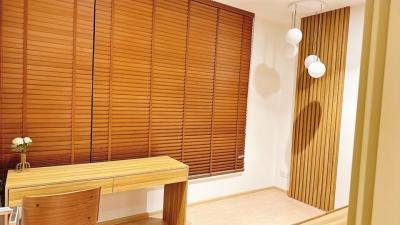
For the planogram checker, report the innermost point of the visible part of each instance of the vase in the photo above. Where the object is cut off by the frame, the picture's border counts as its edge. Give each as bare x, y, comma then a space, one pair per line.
23, 165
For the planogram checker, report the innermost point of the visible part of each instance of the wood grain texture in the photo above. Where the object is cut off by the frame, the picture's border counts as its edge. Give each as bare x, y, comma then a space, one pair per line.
125, 79
17, 194
175, 203
318, 110
70, 208
113, 176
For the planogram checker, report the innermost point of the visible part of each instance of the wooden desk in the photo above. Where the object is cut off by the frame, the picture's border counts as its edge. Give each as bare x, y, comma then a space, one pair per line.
112, 176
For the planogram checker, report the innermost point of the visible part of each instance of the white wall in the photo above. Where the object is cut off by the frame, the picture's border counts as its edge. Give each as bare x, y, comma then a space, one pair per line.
270, 105
350, 95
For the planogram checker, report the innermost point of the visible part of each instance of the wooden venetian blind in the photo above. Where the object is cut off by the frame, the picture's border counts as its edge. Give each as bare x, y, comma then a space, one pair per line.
101, 121
58, 80
199, 92
117, 79
12, 73
243, 91
168, 77
131, 46
46, 79
226, 88
318, 110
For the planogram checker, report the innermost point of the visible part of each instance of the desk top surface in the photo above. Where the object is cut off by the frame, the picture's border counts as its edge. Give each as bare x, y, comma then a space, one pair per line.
91, 171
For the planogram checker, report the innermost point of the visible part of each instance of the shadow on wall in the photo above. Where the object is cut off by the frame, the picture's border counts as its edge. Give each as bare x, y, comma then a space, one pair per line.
266, 80
305, 127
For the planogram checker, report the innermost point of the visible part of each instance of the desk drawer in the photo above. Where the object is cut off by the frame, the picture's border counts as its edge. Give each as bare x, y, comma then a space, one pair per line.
15, 195
147, 180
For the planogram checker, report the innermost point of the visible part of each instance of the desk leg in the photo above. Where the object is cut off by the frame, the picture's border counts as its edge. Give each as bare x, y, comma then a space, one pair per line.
175, 196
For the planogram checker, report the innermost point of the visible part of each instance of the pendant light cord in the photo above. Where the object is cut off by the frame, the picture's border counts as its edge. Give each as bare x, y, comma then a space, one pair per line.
292, 21
317, 48
295, 15
318, 29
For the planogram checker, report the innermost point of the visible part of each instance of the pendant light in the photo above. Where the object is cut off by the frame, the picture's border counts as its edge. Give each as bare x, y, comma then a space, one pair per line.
316, 68
310, 59
293, 37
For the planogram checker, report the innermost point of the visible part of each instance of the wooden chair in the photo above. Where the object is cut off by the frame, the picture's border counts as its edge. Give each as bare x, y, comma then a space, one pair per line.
74, 208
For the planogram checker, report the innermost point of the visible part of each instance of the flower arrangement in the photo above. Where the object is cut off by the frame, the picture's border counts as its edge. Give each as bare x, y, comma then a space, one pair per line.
20, 144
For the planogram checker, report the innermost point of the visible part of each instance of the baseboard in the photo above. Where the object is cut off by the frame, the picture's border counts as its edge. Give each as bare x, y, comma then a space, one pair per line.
280, 189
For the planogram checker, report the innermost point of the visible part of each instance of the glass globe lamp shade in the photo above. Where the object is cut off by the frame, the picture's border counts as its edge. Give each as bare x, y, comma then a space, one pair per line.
291, 51
316, 69
294, 36
310, 59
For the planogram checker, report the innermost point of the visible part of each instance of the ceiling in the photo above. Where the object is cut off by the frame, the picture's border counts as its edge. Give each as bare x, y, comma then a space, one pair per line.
277, 10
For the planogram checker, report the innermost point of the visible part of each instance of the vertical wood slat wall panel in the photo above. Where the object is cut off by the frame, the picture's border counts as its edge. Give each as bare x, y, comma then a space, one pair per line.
151, 80
318, 110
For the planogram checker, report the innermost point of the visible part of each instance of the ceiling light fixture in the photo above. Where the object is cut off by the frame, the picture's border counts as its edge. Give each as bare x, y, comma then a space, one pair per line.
294, 35
310, 59
293, 38
316, 68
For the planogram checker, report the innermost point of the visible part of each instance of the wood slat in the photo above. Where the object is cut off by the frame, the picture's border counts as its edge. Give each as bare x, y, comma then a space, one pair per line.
221, 161
197, 158
101, 110
12, 15
170, 17
318, 109
127, 137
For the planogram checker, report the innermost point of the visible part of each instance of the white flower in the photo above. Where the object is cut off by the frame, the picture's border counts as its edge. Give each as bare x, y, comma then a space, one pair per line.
18, 141
27, 140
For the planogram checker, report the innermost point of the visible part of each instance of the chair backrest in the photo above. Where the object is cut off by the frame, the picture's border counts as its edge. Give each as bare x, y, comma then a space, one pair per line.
75, 208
